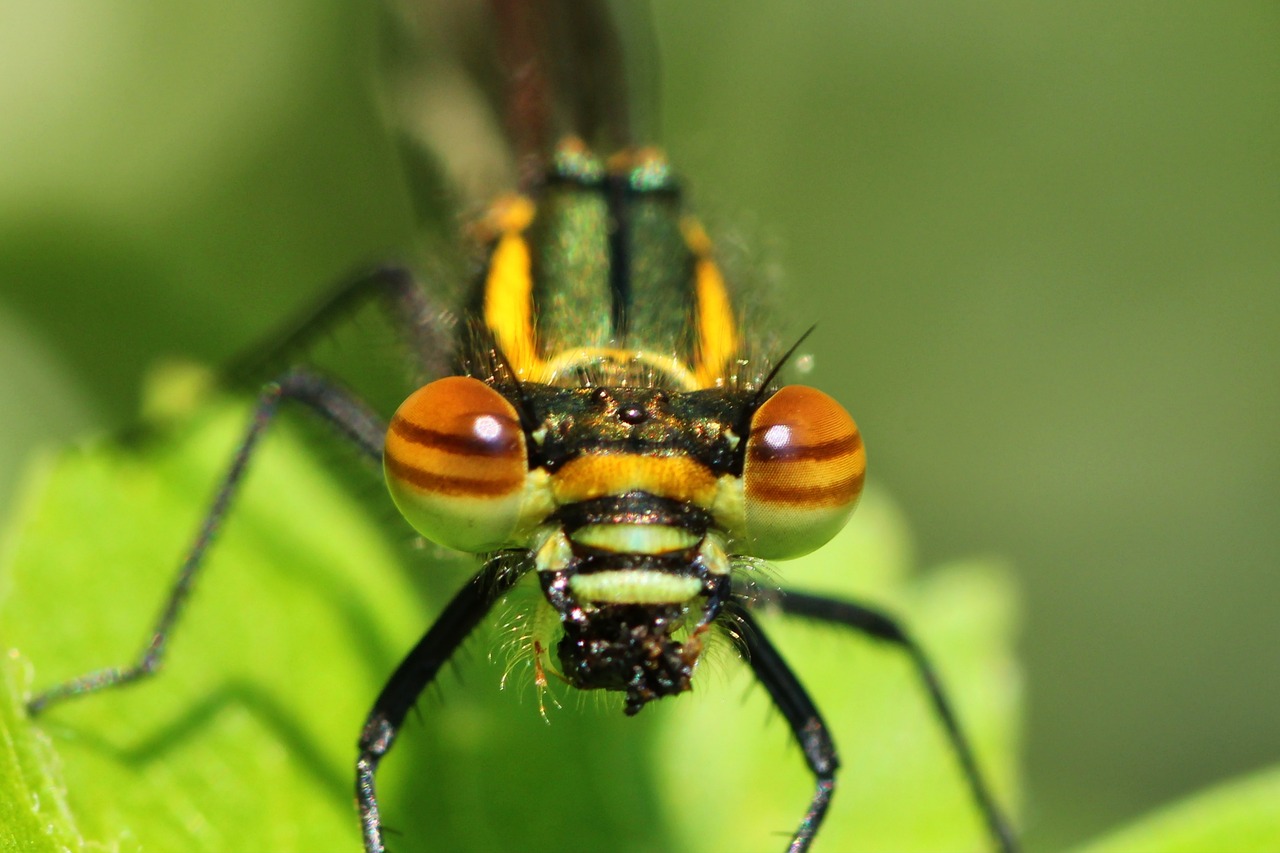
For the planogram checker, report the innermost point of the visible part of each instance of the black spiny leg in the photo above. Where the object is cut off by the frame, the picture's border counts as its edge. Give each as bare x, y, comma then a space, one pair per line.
806, 723
420, 322
339, 408
413, 675
882, 626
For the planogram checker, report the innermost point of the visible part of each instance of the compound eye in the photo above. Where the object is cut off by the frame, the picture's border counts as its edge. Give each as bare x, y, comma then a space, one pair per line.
455, 464
802, 475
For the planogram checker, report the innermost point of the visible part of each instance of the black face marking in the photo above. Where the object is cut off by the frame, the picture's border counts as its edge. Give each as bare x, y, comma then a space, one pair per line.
632, 648
697, 424
633, 508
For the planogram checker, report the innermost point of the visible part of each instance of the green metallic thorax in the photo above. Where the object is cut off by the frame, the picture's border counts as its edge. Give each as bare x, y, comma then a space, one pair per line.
610, 265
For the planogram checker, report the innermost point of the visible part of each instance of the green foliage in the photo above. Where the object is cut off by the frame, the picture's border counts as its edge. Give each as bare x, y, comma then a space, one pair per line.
1239, 815
33, 815
246, 739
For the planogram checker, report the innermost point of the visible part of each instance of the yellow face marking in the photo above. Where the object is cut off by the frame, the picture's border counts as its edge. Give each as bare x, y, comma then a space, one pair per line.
634, 586
714, 556
729, 507
717, 328
635, 538
603, 474
508, 289
554, 553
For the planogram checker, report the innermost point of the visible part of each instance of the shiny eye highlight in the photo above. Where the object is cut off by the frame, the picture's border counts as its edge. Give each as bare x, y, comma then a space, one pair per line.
803, 473
455, 464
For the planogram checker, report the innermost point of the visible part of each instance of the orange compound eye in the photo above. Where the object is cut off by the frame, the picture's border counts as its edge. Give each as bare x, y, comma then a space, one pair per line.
455, 464
803, 473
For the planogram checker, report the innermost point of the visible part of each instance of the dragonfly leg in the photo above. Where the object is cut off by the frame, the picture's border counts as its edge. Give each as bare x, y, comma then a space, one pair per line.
415, 672
425, 327
810, 731
347, 414
881, 626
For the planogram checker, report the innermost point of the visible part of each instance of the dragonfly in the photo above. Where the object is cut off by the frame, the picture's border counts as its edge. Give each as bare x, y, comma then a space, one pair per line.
604, 422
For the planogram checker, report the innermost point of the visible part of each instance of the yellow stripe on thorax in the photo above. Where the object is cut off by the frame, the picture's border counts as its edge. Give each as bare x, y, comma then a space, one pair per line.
508, 288
717, 341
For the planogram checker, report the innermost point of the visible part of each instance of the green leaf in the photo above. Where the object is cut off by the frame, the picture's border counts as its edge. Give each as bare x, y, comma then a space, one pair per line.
224, 750
33, 812
1239, 816
246, 739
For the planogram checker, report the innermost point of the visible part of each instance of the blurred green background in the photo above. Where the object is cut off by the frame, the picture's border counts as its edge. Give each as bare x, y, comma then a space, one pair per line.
1041, 242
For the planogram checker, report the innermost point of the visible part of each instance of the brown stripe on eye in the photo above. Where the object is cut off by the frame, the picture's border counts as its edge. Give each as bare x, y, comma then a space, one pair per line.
508, 442
830, 494
440, 484
759, 450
